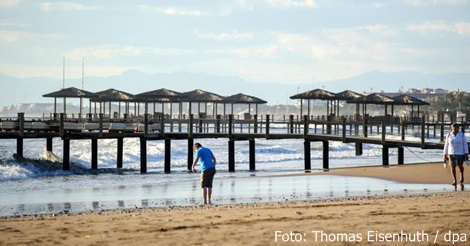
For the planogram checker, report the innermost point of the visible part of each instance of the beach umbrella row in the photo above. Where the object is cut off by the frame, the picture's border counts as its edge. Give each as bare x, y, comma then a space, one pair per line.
356, 98
156, 96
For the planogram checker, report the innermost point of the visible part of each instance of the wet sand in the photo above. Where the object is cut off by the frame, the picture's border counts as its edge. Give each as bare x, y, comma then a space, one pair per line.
382, 220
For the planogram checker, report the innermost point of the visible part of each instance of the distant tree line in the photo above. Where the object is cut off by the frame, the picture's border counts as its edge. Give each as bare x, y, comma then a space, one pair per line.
452, 101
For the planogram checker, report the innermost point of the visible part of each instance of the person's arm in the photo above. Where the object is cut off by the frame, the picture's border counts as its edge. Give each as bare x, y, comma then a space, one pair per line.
446, 148
465, 146
194, 164
213, 158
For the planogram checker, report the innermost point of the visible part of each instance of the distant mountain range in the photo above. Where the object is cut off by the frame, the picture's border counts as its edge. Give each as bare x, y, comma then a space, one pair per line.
30, 90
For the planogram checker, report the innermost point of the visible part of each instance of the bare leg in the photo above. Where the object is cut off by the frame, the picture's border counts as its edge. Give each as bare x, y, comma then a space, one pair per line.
461, 173
209, 195
204, 195
454, 178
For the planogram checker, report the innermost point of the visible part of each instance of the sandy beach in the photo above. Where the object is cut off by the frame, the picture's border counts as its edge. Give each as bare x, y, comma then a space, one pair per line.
419, 219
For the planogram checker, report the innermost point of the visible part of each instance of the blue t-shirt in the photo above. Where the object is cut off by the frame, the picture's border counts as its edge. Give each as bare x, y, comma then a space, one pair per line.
205, 158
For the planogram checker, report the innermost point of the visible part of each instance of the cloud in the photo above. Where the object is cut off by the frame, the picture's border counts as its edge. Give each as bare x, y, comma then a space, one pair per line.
104, 52
232, 36
8, 3
65, 6
16, 36
435, 2
462, 28
175, 11
292, 3
11, 24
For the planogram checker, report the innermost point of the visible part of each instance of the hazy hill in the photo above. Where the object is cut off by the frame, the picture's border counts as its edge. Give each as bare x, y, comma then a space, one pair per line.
30, 90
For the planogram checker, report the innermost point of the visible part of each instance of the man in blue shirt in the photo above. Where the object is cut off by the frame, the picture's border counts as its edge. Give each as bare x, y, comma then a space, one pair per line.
206, 159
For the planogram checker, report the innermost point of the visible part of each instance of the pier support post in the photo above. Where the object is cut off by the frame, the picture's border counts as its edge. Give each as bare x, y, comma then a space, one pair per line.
19, 146
291, 123
120, 147
143, 155
217, 123
94, 153
167, 155
326, 154
231, 155
255, 123
190, 153
267, 126
252, 154
49, 144
401, 155
307, 155
358, 149
385, 159
66, 155
423, 128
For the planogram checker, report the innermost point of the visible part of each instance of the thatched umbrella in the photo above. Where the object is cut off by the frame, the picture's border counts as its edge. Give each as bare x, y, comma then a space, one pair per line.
161, 95
374, 98
317, 94
241, 98
199, 96
409, 100
348, 95
112, 95
70, 92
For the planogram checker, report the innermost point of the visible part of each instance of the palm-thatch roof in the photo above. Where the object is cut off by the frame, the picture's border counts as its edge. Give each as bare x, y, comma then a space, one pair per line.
242, 98
160, 95
374, 98
112, 95
408, 100
315, 94
347, 95
199, 95
71, 92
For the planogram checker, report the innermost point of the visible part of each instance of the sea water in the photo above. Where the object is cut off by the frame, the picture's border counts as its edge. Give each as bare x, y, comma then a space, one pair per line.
39, 186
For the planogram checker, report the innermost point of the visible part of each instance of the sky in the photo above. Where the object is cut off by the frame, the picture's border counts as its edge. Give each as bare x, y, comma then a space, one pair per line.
282, 41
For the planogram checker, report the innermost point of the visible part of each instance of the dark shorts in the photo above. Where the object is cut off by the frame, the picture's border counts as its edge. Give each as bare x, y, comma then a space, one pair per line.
207, 177
456, 160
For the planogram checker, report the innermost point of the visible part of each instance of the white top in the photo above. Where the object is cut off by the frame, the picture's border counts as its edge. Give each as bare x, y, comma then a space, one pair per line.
455, 144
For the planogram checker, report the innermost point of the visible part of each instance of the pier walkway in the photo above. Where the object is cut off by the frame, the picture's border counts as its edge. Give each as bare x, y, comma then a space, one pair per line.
386, 131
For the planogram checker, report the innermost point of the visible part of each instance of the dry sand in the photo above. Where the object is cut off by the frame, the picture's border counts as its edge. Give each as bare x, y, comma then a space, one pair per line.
416, 220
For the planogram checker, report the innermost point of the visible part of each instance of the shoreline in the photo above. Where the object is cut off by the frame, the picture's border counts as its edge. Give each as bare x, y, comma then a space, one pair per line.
269, 223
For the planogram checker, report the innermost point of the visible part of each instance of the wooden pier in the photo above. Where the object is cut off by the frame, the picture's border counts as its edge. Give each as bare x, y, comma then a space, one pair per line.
163, 127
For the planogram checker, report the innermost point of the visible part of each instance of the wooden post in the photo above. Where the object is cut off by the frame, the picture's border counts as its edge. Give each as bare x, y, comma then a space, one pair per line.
307, 155
401, 155
364, 127
385, 159
255, 122
146, 131
217, 123
442, 131
167, 155
231, 155
423, 129
94, 153
230, 125
306, 126
252, 154
49, 144
383, 132
19, 146
326, 154
267, 126
21, 124
100, 123
143, 155
120, 147
66, 154
343, 123
358, 149
190, 130
61, 124
403, 130
190, 153
291, 123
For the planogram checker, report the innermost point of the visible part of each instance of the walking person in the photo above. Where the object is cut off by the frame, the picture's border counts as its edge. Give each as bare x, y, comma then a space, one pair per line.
206, 159
456, 152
